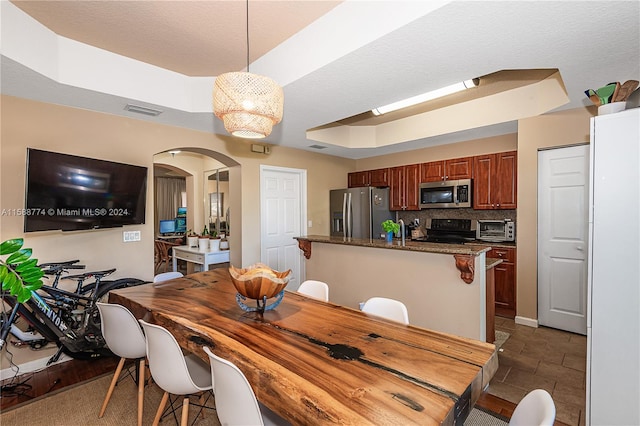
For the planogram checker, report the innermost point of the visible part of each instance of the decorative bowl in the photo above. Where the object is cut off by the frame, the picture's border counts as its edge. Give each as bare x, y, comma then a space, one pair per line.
258, 281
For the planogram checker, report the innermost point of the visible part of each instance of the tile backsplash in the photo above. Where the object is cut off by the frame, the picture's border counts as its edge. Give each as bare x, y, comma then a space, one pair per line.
425, 215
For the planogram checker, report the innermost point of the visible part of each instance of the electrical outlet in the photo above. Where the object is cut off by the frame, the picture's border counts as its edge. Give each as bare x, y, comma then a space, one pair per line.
129, 236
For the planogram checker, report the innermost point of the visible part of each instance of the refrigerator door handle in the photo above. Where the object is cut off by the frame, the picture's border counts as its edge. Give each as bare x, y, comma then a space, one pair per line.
344, 215
349, 219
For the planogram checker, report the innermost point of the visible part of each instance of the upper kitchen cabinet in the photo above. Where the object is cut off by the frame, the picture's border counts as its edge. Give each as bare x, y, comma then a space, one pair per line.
495, 181
359, 179
379, 177
403, 183
457, 168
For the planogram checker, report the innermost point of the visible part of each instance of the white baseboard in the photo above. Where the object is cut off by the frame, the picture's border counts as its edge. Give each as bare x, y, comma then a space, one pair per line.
529, 322
29, 366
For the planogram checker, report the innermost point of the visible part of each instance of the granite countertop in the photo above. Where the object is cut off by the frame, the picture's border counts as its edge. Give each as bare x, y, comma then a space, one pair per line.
467, 249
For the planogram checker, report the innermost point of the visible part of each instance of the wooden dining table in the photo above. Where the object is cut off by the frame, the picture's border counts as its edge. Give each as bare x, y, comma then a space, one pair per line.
314, 362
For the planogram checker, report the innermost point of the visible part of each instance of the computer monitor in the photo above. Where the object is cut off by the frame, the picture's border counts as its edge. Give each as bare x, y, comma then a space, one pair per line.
167, 227
181, 225
182, 212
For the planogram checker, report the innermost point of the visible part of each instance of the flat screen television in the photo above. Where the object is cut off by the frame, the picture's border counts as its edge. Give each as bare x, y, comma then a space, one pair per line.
69, 193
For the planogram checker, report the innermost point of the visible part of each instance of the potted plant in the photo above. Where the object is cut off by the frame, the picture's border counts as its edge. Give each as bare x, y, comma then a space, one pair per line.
390, 227
192, 238
203, 239
19, 274
214, 241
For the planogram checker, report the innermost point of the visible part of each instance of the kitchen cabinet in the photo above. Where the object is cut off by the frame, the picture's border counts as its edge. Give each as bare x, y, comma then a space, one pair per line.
358, 179
403, 184
456, 168
495, 181
505, 281
379, 177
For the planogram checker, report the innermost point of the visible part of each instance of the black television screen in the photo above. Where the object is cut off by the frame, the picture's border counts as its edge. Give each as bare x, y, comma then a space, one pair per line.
71, 193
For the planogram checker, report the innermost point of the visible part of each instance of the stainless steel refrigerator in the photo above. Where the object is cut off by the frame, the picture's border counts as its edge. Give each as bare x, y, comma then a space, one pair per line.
359, 212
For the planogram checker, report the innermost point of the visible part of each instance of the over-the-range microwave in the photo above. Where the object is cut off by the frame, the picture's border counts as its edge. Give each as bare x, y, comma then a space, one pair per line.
445, 194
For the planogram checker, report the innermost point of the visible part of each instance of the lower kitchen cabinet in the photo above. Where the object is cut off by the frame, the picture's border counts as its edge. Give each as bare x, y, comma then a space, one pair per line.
505, 281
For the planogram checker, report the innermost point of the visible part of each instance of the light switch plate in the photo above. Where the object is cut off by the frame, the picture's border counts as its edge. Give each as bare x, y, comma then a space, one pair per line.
129, 236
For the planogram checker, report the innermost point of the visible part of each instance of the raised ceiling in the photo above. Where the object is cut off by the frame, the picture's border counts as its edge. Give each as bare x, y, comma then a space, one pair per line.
335, 60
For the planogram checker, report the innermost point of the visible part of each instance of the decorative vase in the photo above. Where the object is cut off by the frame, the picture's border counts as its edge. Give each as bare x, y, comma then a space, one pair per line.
259, 282
214, 244
389, 236
192, 241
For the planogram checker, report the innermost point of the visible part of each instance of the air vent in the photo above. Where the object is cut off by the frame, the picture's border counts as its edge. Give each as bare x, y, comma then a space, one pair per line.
317, 146
142, 110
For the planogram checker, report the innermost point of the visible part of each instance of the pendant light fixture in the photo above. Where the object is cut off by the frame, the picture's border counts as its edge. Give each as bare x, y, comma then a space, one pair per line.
248, 104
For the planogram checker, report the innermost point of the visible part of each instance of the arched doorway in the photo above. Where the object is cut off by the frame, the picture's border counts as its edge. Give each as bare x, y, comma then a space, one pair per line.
196, 166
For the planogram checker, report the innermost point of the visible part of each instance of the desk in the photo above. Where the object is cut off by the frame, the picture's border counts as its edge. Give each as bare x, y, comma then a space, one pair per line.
316, 363
194, 255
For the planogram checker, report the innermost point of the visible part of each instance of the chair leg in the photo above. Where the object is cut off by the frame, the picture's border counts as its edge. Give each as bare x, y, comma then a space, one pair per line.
111, 386
141, 392
185, 412
163, 403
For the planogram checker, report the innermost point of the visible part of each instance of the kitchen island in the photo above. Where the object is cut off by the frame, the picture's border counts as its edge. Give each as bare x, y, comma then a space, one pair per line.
444, 286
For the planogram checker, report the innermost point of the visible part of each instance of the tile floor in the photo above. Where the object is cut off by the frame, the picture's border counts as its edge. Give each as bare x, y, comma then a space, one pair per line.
544, 358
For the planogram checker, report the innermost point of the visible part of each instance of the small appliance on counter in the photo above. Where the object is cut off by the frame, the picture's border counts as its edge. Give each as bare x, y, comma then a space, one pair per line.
496, 231
450, 231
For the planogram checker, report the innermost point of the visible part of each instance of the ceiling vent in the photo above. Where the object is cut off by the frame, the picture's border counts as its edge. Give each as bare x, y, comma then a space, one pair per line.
142, 110
317, 146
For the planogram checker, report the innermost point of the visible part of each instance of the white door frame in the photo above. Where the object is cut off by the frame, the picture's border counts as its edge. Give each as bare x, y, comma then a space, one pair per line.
303, 207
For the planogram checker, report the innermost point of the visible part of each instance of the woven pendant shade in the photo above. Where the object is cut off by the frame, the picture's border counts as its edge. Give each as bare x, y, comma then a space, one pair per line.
248, 104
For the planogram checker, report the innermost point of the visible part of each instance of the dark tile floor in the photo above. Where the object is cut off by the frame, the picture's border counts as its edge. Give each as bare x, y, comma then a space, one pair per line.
544, 358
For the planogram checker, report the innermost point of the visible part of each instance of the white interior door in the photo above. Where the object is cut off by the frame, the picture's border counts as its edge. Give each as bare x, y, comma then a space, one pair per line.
563, 198
282, 215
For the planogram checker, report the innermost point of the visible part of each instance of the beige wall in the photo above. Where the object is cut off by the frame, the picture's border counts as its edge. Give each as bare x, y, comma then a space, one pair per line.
545, 131
85, 133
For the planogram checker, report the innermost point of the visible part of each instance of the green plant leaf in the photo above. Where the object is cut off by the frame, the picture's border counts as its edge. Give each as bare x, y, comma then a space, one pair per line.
3, 272
27, 265
34, 286
31, 275
16, 286
23, 295
11, 246
19, 256
7, 281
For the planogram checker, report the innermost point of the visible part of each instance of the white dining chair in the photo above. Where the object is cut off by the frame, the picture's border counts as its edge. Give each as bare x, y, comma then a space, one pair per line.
124, 338
174, 372
316, 289
387, 308
535, 409
236, 403
165, 276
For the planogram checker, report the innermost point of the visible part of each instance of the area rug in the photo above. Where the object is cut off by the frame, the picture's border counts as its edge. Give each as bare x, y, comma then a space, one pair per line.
80, 405
479, 417
501, 337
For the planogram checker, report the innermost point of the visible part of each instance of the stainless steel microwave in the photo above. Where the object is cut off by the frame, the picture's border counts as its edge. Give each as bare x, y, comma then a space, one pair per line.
496, 230
445, 194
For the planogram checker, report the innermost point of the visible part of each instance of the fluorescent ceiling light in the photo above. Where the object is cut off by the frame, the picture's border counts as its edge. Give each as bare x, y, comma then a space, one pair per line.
418, 99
